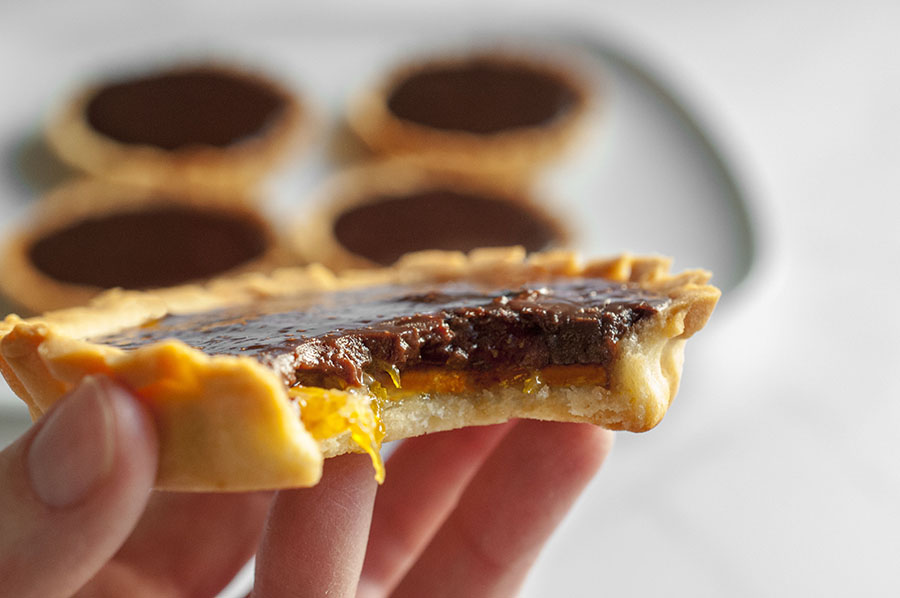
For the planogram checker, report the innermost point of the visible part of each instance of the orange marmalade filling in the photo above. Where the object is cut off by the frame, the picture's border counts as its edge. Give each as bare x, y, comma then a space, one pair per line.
436, 380
327, 413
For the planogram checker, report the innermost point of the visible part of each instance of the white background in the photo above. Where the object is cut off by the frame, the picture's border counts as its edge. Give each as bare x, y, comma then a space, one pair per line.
775, 472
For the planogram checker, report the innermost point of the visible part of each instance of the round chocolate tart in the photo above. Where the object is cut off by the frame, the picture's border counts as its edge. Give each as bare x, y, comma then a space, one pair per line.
209, 125
373, 215
492, 113
89, 236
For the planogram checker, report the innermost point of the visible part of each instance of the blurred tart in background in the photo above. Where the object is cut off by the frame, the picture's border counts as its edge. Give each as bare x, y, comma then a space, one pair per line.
372, 215
208, 125
92, 235
494, 113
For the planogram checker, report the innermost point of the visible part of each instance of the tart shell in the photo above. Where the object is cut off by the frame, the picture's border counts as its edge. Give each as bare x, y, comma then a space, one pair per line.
227, 423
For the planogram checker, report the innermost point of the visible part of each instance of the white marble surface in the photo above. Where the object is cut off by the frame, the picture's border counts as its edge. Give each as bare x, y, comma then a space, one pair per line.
774, 474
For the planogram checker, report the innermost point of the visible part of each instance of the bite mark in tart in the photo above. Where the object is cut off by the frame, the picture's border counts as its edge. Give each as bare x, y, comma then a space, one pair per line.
495, 113
89, 236
208, 125
253, 381
373, 215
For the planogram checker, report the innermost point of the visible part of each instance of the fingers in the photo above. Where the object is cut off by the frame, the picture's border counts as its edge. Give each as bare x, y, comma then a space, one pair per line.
508, 511
185, 543
426, 476
315, 538
72, 489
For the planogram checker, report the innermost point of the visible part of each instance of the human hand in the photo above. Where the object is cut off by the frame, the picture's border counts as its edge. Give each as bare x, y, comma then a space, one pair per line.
461, 513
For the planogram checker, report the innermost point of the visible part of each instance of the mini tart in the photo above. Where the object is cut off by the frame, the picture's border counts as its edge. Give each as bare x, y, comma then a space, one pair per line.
206, 125
372, 215
91, 235
229, 421
494, 113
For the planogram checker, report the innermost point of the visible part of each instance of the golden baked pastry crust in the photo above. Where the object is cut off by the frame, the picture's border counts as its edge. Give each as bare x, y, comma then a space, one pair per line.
228, 423
238, 165
313, 236
511, 154
35, 291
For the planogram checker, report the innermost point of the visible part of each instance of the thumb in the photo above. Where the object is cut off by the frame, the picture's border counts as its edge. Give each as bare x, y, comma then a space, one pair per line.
72, 488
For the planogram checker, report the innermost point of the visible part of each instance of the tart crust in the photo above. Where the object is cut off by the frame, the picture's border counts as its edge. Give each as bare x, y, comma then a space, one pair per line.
313, 237
227, 423
238, 165
35, 291
512, 154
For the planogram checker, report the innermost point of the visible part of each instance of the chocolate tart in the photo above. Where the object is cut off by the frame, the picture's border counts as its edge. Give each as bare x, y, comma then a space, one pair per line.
208, 125
496, 113
372, 215
253, 381
91, 235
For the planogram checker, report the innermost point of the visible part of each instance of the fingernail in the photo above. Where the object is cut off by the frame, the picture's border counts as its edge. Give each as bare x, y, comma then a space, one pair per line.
73, 450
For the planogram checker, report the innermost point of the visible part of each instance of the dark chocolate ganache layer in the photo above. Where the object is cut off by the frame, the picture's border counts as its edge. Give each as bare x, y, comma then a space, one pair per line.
159, 246
384, 228
481, 96
172, 110
334, 339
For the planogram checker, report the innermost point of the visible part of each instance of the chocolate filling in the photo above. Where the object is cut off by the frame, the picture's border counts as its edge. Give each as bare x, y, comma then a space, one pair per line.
481, 96
334, 339
159, 246
201, 106
386, 227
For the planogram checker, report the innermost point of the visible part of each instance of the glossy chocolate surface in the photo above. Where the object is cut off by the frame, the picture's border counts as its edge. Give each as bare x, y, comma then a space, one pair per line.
156, 247
178, 109
481, 96
385, 227
333, 339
